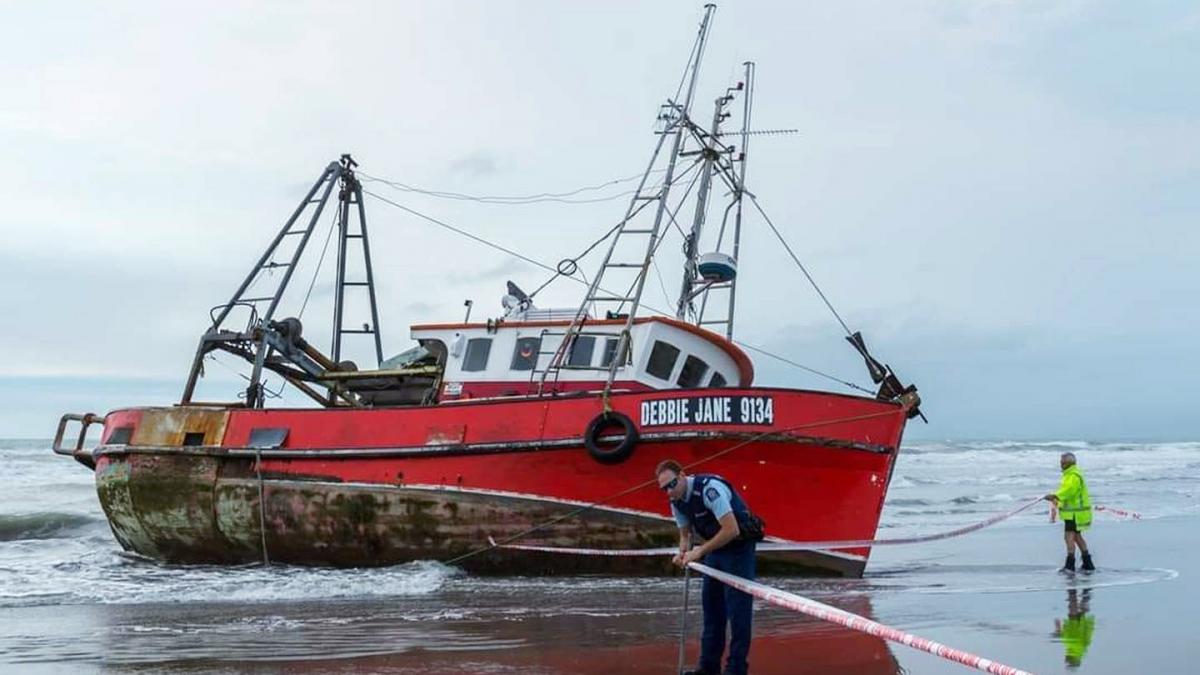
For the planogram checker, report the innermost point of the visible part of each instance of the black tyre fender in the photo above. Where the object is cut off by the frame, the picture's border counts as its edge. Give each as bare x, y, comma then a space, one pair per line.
609, 453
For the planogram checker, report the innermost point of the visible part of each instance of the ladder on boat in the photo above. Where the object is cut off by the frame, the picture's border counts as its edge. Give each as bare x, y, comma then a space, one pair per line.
617, 287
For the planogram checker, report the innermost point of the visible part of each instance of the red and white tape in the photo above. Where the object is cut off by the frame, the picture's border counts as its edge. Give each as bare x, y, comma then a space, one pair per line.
790, 545
1119, 512
825, 612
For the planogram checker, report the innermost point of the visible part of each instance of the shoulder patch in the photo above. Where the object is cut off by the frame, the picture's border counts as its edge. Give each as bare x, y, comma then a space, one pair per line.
711, 493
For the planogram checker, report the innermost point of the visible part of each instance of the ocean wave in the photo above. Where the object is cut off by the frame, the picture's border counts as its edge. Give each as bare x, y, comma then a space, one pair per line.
126, 579
983, 499
908, 502
42, 525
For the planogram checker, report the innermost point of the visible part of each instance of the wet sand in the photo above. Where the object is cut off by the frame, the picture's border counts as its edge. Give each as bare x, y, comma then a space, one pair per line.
70, 602
995, 593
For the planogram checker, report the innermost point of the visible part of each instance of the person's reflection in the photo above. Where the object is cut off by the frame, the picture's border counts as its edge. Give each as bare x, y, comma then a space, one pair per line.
1075, 631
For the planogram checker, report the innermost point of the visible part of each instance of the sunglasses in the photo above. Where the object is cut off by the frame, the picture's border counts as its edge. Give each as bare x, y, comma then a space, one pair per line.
670, 484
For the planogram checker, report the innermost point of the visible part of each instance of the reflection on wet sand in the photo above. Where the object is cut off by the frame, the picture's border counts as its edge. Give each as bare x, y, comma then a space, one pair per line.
1075, 631
636, 641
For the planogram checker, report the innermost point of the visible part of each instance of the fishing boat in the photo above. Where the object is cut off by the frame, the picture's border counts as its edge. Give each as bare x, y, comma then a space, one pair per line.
542, 425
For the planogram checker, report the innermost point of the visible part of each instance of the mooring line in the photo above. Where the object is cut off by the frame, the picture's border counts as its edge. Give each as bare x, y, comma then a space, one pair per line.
262, 506
798, 603
494, 544
792, 545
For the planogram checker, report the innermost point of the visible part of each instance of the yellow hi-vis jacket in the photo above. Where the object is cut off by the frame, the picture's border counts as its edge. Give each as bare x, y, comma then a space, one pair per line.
1077, 636
1073, 500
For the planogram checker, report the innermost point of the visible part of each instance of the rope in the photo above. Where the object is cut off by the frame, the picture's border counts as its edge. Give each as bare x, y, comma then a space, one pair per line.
556, 273
796, 545
754, 200
320, 262
573, 263
464, 233
493, 544
559, 197
801, 366
819, 610
262, 507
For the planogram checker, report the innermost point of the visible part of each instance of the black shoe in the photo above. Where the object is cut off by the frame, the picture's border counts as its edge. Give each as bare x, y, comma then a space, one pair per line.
1069, 565
1087, 563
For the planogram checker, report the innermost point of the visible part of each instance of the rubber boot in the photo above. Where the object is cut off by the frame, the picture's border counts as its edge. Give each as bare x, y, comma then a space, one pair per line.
1087, 563
1069, 565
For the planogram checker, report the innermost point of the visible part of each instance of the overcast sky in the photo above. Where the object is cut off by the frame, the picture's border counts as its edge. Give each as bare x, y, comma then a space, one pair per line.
1002, 196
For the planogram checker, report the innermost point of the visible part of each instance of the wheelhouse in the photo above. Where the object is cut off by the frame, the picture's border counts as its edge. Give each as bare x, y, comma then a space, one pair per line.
509, 357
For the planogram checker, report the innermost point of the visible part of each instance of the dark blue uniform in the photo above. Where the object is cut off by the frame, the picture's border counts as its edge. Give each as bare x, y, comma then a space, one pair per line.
709, 498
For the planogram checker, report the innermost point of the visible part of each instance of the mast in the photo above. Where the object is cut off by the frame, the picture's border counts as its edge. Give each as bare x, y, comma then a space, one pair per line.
677, 122
740, 190
710, 154
277, 345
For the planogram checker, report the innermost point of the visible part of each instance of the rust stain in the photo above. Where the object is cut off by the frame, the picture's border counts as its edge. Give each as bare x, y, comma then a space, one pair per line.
169, 426
206, 509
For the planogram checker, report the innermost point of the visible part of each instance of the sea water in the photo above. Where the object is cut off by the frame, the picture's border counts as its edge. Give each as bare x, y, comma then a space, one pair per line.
72, 601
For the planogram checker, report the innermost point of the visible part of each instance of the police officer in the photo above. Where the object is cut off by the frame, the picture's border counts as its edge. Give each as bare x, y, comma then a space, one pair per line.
1075, 507
708, 506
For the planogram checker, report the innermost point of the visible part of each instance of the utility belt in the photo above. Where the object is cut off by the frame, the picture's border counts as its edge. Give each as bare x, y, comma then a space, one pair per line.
750, 526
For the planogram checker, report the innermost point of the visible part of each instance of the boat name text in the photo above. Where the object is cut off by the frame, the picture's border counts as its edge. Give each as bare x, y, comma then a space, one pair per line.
708, 410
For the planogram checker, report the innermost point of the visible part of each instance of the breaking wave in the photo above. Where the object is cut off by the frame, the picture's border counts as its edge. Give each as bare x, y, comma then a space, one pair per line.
42, 525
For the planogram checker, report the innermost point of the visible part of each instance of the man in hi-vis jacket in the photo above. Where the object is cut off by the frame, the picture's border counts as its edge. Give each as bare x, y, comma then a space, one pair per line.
1075, 508
709, 507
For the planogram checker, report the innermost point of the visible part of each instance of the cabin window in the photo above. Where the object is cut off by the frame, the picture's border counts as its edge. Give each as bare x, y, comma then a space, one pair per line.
120, 436
610, 352
692, 373
718, 380
525, 356
193, 438
582, 348
662, 360
477, 354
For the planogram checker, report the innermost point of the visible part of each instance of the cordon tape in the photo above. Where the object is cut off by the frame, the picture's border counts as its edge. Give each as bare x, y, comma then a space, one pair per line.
825, 612
852, 621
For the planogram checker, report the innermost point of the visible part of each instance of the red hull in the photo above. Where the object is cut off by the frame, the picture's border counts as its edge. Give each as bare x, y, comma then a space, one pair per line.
818, 470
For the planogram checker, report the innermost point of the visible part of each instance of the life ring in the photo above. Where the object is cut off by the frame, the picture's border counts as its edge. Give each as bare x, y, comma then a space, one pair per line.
608, 453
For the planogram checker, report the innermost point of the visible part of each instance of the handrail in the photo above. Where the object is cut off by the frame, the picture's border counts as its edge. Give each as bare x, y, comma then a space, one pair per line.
85, 420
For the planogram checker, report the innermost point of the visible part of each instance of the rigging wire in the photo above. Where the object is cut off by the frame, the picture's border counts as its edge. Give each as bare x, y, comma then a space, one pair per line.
320, 263
801, 366
464, 233
573, 263
754, 200
560, 197
494, 544
646, 306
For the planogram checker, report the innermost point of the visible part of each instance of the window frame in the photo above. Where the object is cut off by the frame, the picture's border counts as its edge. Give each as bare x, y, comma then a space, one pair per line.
691, 360
469, 350
574, 350
650, 360
536, 340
